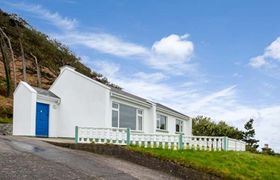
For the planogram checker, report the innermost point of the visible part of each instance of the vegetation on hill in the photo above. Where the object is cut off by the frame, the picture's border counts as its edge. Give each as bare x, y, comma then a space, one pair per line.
228, 165
29, 55
248, 137
204, 126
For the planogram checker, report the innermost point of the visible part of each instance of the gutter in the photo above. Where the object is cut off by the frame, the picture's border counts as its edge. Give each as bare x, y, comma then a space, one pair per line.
132, 100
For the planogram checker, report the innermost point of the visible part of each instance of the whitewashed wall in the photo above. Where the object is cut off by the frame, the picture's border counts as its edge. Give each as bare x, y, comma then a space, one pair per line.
24, 110
84, 102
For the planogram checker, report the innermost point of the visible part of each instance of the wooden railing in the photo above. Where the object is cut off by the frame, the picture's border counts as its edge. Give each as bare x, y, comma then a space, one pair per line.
123, 136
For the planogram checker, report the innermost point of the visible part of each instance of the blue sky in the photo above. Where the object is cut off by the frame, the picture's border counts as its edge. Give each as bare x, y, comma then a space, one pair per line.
215, 58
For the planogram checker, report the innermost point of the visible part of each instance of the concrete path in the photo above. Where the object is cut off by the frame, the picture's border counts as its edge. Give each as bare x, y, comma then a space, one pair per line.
29, 158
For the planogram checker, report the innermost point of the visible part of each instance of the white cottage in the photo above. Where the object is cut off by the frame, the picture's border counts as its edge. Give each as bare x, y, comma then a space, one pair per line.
77, 100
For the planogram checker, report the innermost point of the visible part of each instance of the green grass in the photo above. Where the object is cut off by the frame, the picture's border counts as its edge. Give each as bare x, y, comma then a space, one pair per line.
5, 120
229, 165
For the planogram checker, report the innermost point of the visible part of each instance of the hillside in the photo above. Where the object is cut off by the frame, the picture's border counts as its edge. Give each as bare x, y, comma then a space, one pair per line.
50, 54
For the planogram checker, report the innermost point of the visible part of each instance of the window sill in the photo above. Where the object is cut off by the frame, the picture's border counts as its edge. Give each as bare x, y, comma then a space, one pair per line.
161, 130
179, 133
137, 131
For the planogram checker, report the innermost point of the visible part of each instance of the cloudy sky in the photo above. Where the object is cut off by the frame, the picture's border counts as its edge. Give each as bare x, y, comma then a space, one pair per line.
212, 58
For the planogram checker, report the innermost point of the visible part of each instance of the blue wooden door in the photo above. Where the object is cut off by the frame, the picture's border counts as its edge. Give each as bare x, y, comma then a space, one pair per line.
42, 119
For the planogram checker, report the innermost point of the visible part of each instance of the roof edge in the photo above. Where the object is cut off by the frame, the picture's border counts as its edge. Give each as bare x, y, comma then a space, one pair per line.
26, 85
71, 69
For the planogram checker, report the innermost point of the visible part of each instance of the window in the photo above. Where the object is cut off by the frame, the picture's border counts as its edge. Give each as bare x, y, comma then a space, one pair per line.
124, 116
179, 125
115, 115
161, 122
127, 117
115, 106
139, 119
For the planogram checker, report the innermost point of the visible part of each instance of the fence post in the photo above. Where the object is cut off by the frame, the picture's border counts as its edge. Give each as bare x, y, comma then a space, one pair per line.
225, 143
128, 136
181, 141
76, 134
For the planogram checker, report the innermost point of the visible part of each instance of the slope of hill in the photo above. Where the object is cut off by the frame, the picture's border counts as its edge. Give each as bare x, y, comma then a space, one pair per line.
51, 55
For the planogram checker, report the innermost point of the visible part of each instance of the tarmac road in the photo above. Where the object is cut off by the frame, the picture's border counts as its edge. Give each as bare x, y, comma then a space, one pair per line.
29, 158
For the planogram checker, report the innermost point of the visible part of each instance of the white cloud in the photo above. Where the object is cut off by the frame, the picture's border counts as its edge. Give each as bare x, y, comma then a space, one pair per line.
258, 61
174, 47
172, 54
204, 101
105, 43
270, 55
52, 17
273, 50
152, 77
109, 69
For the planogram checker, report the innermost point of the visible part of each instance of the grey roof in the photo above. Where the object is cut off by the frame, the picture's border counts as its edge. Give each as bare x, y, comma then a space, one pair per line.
167, 108
45, 92
119, 91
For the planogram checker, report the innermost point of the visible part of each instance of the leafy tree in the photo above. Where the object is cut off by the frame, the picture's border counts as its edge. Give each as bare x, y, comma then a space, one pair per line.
204, 126
248, 136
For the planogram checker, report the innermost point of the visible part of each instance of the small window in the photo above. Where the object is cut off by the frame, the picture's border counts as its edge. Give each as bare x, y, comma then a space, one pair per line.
140, 111
161, 122
115, 105
179, 125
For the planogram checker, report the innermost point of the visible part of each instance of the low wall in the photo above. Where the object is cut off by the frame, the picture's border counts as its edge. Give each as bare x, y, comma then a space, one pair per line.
141, 159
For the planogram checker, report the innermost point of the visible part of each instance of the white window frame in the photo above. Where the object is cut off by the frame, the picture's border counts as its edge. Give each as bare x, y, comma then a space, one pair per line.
137, 115
181, 126
137, 118
118, 110
166, 122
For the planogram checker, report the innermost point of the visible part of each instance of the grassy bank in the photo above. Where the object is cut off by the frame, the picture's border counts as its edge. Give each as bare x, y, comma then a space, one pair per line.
234, 165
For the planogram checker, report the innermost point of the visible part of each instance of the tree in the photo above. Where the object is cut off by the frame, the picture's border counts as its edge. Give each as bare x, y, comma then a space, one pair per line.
204, 126
38, 71
3, 47
248, 136
12, 56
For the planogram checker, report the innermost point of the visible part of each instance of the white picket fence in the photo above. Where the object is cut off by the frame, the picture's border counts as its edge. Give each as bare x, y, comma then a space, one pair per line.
123, 136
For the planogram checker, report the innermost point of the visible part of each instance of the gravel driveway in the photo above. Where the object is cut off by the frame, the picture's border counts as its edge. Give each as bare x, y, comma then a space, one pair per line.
29, 158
